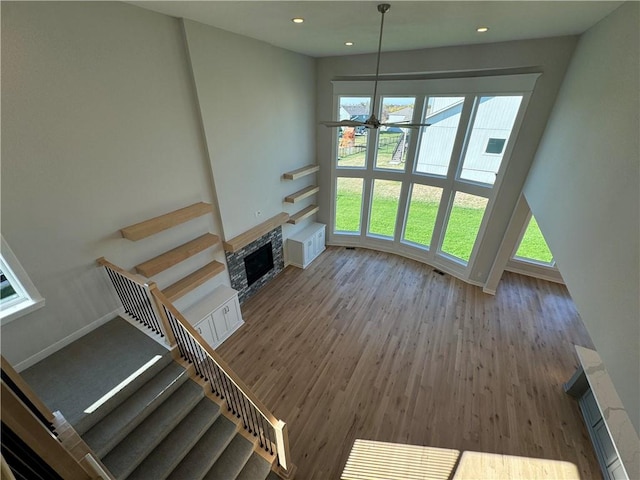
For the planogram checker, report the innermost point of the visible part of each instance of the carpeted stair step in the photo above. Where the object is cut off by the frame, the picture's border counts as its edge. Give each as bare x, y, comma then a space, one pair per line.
85, 423
107, 433
206, 451
130, 452
232, 460
166, 456
257, 468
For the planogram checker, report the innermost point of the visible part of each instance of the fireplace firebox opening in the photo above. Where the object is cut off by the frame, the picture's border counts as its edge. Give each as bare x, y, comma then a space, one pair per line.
258, 263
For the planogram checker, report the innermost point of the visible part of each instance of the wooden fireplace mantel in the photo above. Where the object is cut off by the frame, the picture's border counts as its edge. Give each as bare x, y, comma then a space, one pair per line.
244, 239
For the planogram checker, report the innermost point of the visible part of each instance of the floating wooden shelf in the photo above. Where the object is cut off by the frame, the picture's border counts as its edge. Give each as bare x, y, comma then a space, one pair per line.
163, 222
236, 243
197, 278
301, 172
177, 255
302, 214
304, 193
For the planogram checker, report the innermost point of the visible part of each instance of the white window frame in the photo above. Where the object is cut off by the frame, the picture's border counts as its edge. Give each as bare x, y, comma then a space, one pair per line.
470, 88
29, 299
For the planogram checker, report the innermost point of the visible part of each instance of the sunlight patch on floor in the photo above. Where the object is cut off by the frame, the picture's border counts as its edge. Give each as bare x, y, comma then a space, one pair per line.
395, 461
105, 398
474, 465
371, 460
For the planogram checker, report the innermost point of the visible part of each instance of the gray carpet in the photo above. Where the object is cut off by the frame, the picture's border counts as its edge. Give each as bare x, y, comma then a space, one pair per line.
67, 380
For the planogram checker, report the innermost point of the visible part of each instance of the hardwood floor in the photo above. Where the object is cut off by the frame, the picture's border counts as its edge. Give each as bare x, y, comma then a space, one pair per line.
365, 344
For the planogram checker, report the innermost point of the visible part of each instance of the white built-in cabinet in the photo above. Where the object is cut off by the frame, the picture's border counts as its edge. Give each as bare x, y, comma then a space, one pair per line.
216, 316
306, 245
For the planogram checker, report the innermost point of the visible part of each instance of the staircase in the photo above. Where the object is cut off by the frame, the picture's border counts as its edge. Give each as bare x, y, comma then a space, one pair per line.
160, 425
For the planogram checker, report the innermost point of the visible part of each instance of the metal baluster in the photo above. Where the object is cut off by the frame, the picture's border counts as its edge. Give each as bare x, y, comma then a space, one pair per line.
137, 303
142, 296
215, 386
268, 438
119, 290
176, 333
252, 417
243, 408
230, 400
197, 349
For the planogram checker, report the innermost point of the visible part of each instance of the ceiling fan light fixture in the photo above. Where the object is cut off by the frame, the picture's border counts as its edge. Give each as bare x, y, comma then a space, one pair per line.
297, 20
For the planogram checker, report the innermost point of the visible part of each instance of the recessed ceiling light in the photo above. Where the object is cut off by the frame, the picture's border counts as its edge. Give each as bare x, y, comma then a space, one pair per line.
348, 44
482, 29
297, 20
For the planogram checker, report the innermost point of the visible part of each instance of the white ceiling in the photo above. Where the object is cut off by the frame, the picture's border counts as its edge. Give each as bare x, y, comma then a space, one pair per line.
408, 25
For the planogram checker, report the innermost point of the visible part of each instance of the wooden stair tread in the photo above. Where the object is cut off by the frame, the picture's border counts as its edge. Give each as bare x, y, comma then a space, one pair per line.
177, 255
304, 193
193, 280
302, 214
154, 225
236, 243
301, 172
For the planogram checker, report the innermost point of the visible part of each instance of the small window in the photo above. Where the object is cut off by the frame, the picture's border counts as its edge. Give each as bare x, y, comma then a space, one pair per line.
18, 295
532, 247
495, 146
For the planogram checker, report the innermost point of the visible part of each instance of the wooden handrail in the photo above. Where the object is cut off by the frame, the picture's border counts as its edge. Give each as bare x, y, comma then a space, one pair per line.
17, 379
17, 416
103, 262
264, 411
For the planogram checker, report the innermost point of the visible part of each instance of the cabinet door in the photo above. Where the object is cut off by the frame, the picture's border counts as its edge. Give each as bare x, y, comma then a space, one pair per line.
309, 250
204, 329
233, 315
220, 322
319, 242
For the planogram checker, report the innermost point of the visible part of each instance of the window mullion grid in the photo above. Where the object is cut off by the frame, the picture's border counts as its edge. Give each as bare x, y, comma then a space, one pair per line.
448, 190
419, 108
418, 116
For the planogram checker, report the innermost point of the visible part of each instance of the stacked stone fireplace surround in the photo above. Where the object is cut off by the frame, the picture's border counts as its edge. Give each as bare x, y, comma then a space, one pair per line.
237, 272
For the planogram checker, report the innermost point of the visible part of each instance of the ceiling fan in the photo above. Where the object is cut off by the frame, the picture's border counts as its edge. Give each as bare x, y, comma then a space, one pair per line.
372, 121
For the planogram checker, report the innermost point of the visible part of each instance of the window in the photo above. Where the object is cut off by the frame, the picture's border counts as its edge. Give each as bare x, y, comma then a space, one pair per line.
463, 225
532, 247
422, 214
18, 295
348, 205
424, 191
436, 142
393, 142
495, 146
493, 118
384, 208
352, 141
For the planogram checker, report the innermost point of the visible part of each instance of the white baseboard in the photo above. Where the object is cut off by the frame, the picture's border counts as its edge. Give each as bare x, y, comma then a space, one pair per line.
51, 349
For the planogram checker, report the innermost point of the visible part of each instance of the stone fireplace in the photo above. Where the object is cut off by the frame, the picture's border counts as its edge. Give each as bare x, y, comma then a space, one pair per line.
255, 264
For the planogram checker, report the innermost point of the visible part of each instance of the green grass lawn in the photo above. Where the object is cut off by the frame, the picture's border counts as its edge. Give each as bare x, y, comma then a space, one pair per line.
533, 246
461, 231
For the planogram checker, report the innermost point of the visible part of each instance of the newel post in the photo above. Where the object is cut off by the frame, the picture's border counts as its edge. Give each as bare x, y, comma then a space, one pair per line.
286, 469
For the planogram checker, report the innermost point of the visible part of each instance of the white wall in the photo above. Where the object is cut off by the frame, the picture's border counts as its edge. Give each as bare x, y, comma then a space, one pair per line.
550, 56
99, 130
584, 191
258, 110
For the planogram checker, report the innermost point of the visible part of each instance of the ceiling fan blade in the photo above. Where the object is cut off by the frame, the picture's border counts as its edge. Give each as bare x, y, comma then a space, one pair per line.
405, 125
344, 123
